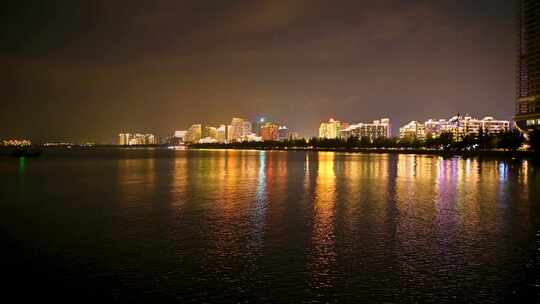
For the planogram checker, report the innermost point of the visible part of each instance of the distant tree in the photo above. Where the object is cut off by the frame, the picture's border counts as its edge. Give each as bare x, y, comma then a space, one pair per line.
365, 142
353, 142
302, 142
430, 142
418, 143
314, 142
446, 140
324, 142
406, 142
534, 140
391, 142
486, 141
383, 142
510, 140
467, 142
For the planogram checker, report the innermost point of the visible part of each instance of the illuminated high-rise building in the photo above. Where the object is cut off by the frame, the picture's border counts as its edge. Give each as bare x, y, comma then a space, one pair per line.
434, 127
269, 132
459, 126
236, 129
221, 134
194, 133
283, 133
246, 128
376, 129
129, 139
209, 135
137, 139
150, 139
239, 128
180, 134
260, 122
528, 66
210, 132
178, 138
123, 139
230, 134
492, 126
331, 129
413, 129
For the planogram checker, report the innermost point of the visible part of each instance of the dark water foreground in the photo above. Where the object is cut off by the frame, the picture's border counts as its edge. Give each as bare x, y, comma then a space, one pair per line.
255, 226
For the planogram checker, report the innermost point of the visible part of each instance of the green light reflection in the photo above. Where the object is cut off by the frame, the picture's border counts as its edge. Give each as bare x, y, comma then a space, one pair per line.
22, 165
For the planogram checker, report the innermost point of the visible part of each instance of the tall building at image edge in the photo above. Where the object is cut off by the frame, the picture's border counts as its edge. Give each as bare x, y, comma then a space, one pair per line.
528, 66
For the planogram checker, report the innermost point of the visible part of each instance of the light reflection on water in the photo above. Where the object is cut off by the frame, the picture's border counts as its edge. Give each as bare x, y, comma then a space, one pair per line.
323, 238
215, 225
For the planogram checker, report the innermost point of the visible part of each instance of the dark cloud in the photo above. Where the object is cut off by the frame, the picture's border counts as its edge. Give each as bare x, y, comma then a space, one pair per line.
84, 70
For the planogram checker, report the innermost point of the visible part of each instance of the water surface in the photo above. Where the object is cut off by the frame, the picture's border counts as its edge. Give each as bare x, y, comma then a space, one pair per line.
255, 226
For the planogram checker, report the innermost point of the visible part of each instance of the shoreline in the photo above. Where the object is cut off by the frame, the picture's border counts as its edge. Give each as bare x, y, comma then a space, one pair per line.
486, 153
452, 153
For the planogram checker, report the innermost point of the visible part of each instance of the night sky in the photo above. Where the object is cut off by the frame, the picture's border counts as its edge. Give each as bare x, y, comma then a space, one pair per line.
86, 70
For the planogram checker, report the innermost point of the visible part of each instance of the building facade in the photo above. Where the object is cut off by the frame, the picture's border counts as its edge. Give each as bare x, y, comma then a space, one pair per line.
221, 134
294, 135
235, 129
331, 129
377, 129
177, 138
492, 126
414, 129
260, 122
210, 132
458, 126
123, 139
194, 133
434, 127
135, 139
528, 66
283, 133
247, 128
462, 126
269, 132
150, 139
238, 129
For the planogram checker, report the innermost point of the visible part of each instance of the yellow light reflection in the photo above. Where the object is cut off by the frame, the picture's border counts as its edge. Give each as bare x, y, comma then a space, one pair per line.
137, 177
179, 181
324, 211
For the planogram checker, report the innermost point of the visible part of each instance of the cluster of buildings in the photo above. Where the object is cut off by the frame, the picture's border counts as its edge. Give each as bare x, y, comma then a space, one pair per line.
459, 126
376, 129
242, 130
15, 142
135, 139
239, 130
336, 129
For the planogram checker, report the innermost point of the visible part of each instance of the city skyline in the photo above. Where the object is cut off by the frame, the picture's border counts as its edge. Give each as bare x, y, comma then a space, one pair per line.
242, 130
98, 67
